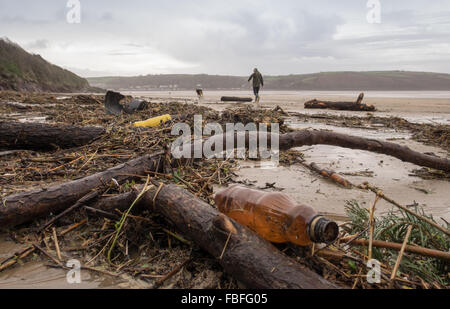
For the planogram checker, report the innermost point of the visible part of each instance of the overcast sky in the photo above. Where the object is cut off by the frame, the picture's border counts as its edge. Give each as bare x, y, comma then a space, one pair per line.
231, 37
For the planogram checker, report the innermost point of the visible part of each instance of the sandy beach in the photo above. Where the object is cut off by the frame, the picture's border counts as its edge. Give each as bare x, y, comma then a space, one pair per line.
394, 177
390, 174
415, 106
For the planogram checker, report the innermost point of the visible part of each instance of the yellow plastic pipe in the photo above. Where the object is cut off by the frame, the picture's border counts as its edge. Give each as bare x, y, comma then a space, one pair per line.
153, 122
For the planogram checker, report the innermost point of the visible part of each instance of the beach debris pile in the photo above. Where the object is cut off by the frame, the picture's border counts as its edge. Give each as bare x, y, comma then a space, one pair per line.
158, 226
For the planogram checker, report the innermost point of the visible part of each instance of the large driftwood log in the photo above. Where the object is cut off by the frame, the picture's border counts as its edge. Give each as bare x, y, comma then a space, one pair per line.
349, 106
235, 99
309, 138
24, 207
241, 252
405, 154
39, 136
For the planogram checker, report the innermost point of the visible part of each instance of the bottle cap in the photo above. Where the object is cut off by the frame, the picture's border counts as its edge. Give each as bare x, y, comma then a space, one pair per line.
323, 230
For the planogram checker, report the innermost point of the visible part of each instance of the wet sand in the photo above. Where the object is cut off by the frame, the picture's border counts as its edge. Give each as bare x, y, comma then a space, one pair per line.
390, 174
414, 106
34, 273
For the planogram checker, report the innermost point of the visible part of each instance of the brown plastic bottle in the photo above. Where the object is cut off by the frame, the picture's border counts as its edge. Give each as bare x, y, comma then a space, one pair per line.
275, 216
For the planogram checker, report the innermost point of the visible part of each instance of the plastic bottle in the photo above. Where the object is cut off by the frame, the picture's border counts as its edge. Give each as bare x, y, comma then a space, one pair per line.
275, 216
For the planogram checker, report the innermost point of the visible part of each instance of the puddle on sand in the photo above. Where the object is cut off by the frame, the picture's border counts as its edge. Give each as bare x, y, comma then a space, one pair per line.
389, 174
33, 273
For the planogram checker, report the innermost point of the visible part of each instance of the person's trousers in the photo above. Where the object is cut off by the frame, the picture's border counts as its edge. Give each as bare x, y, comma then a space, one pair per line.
256, 91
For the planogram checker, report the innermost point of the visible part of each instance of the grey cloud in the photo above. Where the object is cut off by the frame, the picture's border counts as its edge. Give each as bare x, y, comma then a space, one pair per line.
231, 37
107, 16
117, 53
38, 44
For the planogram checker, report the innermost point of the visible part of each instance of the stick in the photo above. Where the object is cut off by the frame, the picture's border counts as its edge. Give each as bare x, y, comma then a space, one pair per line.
13, 259
395, 246
372, 226
328, 174
176, 236
171, 274
48, 255
77, 205
73, 226
400, 255
88, 268
101, 213
225, 246
55, 239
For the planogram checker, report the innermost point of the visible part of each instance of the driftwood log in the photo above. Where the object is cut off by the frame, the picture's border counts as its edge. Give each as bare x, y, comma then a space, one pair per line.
39, 136
405, 154
349, 106
235, 99
24, 207
241, 252
309, 138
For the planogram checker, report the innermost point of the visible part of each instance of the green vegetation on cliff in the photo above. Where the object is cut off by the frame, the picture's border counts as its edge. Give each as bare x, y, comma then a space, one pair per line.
22, 71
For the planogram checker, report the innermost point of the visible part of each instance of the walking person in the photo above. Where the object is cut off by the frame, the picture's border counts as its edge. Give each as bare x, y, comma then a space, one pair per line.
199, 94
258, 82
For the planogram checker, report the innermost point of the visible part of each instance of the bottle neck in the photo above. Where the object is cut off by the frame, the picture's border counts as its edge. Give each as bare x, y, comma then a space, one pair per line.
322, 230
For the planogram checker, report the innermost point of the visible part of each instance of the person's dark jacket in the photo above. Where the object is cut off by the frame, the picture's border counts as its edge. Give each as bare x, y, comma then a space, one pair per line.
258, 80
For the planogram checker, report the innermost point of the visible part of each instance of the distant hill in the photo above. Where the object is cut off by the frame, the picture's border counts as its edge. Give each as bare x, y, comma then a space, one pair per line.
22, 71
331, 81
169, 81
